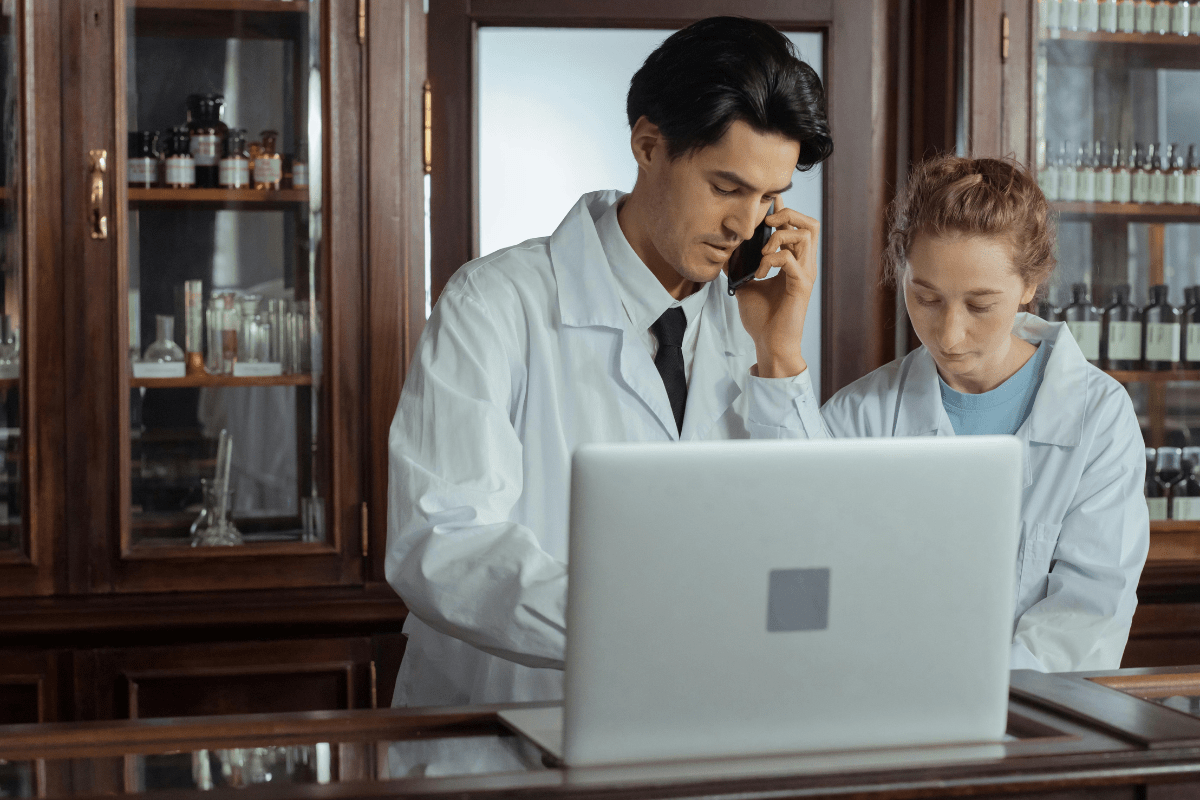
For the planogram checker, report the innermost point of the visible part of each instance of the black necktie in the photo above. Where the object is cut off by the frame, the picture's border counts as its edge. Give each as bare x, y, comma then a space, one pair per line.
668, 330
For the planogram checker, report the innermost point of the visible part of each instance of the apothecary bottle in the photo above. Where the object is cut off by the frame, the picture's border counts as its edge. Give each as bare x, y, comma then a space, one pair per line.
1083, 320
1141, 174
1162, 17
180, 166
1185, 492
1181, 18
1122, 344
207, 133
1085, 175
142, 162
1158, 177
1048, 177
1067, 171
1127, 16
1176, 175
299, 168
1105, 173
1108, 16
1071, 14
268, 165
1191, 178
1122, 176
235, 163
1190, 339
1161, 324
1089, 16
1144, 22
1156, 490
1168, 469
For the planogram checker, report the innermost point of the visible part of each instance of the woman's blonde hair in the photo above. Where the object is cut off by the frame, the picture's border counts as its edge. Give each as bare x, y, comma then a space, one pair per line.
977, 197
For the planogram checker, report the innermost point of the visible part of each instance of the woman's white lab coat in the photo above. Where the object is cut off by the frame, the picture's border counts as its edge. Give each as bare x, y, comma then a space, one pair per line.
1085, 529
528, 354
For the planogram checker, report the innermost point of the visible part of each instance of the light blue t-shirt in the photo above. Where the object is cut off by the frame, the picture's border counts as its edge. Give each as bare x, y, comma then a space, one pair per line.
1003, 409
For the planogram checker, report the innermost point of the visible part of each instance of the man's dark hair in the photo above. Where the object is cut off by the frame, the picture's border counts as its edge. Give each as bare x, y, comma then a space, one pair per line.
722, 69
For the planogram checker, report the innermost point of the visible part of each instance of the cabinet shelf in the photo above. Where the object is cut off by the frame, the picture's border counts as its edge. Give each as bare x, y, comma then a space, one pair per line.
222, 19
197, 381
264, 199
1154, 376
1174, 540
1141, 39
1132, 212
1132, 50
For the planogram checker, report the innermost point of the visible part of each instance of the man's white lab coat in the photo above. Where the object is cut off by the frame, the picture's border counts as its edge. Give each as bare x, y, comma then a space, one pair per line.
529, 354
1085, 529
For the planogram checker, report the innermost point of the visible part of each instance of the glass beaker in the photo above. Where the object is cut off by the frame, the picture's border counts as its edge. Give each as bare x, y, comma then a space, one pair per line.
251, 323
211, 528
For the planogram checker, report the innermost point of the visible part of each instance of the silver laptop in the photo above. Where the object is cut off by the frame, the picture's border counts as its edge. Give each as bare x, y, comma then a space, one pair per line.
762, 597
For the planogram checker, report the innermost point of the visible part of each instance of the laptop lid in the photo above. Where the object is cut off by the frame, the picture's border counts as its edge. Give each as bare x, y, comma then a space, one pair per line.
757, 597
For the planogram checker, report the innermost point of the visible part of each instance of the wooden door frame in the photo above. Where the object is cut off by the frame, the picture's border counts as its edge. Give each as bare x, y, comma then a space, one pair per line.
862, 47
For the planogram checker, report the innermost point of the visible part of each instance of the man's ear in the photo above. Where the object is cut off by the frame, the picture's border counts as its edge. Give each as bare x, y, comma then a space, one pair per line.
647, 143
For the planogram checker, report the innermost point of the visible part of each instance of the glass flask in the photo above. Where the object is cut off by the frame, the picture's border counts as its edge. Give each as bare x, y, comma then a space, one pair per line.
214, 527
163, 349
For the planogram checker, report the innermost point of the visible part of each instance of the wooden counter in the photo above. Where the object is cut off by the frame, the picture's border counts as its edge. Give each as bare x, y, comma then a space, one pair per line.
1069, 735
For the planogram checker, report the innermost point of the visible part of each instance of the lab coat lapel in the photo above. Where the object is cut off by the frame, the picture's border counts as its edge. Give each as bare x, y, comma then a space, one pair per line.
588, 298
714, 383
919, 409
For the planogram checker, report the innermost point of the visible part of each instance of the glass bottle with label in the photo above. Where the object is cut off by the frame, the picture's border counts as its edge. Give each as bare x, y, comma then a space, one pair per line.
1175, 177
1067, 171
1108, 16
299, 168
1140, 175
1104, 174
180, 165
235, 164
1190, 355
1162, 17
1090, 16
1145, 17
1071, 13
1191, 177
1161, 324
1169, 468
207, 132
1122, 344
1158, 176
1185, 492
142, 162
268, 167
1047, 177
1127, 16
1194, 22
1181, 18
1156, 490
1085, 174
1122, 176
1083, 320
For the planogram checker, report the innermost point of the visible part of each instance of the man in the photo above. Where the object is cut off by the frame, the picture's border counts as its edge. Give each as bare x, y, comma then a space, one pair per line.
618, 327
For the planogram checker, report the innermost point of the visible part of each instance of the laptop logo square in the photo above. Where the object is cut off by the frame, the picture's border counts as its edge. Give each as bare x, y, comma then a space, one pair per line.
798, 600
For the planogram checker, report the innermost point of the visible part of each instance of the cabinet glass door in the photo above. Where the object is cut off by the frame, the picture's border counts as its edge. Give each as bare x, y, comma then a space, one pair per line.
13, 543
1116, 113
223, 274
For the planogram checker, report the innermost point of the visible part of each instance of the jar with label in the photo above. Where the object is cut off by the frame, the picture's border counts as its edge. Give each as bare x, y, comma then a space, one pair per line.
1191, 177
1175, 175
1126, 16
180, 166
1066, 174
1181, 18
1185, 492
268, 167
1140, 177
1162, 17
1105, 175
299, 168
1144, 23
1089, 16
1122, 176
235, 165
1071, 13
1083, 320
1085, 175
207, 132
1190, 349
1048, 178
1162, 331
1108, 16
1121, 347
1158, 176
142, 162
1194, 22
1157, 491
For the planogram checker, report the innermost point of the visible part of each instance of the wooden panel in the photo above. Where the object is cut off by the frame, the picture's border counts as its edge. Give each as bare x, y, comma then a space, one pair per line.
224, 678
985, 78
30, 686
20, 700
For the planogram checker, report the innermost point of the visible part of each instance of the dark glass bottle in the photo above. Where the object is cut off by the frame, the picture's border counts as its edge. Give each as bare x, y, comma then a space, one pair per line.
1122, 343
1157, 491
1190, 335
1185, 492
142, 163
208, 134
1161, 331
180, 167
1083, 320
235, 163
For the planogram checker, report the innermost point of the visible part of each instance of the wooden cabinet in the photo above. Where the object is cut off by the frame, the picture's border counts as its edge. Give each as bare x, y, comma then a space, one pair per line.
305, 289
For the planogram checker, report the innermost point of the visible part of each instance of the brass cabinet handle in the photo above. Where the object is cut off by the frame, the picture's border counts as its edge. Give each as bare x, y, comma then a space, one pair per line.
97, 219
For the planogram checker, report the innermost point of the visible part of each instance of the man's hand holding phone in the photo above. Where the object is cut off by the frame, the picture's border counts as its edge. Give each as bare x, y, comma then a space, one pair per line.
773, 311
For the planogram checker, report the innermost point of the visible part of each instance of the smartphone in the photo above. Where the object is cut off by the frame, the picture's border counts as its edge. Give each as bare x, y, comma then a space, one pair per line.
748, 255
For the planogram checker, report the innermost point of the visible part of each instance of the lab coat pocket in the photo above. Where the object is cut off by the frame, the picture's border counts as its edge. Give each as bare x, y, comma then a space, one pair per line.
1038, 540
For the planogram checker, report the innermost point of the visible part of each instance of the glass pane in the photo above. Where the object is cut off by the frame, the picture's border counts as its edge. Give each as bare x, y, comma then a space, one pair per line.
1117, 113
224, 296
11, 300
569, 85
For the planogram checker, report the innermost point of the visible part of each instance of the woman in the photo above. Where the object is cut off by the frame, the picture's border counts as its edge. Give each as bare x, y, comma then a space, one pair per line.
970, 242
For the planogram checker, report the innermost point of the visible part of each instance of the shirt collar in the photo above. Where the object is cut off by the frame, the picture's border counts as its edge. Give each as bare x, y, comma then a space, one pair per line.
642, 296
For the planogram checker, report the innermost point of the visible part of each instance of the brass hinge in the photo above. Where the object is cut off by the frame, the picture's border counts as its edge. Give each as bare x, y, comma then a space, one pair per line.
428, 128
1004, 37
366, 538
362, 21
374, 687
